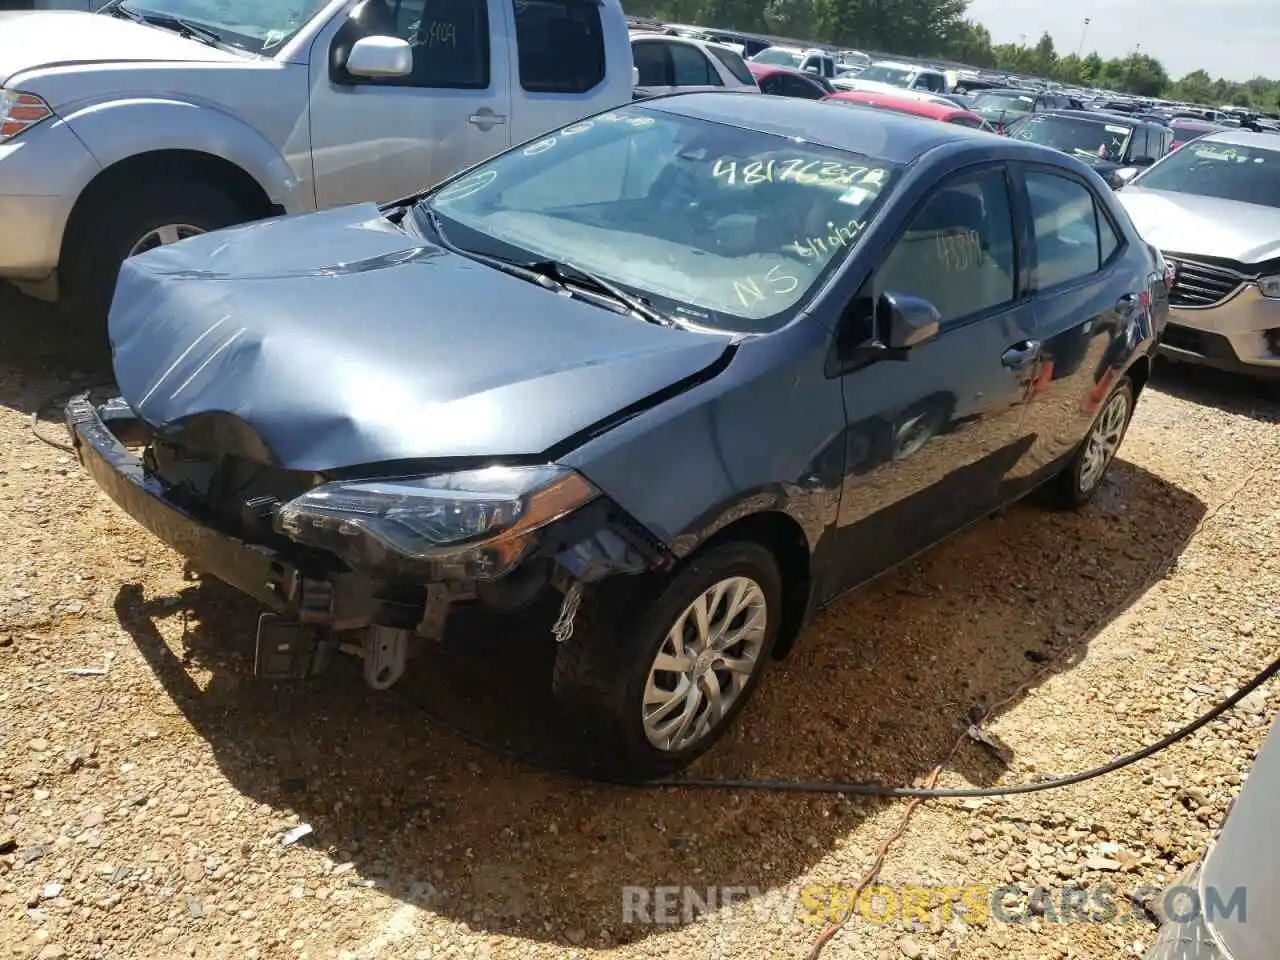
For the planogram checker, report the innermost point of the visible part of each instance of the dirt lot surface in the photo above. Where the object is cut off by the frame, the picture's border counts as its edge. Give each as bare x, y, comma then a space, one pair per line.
144, 813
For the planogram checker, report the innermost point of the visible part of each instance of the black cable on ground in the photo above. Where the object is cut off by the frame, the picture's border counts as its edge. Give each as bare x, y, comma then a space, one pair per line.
861, 788
85, 387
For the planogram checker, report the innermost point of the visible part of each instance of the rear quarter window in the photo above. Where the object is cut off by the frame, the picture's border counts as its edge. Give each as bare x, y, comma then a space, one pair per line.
734, 63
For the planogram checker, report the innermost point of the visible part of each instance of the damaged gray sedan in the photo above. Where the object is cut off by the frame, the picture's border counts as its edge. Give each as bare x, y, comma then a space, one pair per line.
682, 364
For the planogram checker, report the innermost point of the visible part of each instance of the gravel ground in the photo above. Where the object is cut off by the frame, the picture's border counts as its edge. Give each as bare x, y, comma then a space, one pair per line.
144, 812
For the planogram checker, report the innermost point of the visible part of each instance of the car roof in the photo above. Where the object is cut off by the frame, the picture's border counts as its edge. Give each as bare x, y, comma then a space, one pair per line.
1100, 116
769, 69
916, 105
883, 134
1243, 138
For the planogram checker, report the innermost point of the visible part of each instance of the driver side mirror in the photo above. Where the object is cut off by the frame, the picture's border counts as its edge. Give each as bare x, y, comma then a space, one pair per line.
376, 57
906, 321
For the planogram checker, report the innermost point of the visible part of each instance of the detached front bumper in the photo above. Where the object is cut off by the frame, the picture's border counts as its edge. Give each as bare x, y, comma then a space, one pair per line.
315, 596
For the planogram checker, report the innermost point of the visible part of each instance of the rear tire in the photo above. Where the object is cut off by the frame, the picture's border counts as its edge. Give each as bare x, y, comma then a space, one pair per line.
111, 233
1078, 482
629, 675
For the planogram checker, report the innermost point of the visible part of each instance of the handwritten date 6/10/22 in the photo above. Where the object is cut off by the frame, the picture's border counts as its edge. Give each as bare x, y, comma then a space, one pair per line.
825, 173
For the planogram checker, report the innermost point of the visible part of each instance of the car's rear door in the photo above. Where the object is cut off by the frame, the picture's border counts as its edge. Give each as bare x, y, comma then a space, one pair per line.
1089, 292
932, 436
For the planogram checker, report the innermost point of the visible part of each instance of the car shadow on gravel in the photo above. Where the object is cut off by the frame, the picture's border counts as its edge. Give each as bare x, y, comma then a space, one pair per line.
1249, 396
878, 688
47, 355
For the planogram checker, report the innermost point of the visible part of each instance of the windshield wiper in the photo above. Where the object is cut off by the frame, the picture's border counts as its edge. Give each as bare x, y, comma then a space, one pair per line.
166, 22
564, 272
498, 263
552, 274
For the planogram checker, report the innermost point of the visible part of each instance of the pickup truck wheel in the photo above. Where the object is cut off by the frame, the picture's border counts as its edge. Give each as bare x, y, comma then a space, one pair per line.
660, 675
134, 222
1080, 479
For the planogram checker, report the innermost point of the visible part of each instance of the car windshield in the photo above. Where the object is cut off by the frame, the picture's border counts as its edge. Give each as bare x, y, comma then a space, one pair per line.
994, 104
1209, 168
257, 26
716, 225
1087, 139
1184, 132
778, 57
896, 76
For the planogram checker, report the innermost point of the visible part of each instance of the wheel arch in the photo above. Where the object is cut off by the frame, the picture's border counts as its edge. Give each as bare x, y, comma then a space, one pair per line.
1139, 373
784, 537
154, 166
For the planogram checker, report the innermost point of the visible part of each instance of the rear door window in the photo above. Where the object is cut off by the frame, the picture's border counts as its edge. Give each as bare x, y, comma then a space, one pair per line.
1066, 229
797, 87
691, 68
652, 62
560, 45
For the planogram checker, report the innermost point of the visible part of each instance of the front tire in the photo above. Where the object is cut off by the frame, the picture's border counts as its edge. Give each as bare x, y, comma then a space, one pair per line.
659, 673
1080, 479
133, 222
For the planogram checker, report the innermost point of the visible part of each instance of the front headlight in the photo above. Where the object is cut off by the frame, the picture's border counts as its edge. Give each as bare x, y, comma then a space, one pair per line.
1270, 287
18, 111
476, 523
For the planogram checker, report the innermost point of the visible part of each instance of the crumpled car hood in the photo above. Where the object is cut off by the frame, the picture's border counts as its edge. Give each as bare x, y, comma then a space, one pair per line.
1207, 226
338, 340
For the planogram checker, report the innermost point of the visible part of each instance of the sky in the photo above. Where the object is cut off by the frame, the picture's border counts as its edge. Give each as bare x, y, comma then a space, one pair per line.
1233, 39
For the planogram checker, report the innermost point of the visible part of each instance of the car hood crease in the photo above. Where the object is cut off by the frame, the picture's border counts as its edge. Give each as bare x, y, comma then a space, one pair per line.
340, 340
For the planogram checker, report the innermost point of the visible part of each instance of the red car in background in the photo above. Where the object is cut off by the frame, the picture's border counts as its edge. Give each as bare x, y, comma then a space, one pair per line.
1187, 130
786, 82
916, 106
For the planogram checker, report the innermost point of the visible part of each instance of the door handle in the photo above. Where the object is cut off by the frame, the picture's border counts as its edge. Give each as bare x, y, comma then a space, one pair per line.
486, 118
1021, 354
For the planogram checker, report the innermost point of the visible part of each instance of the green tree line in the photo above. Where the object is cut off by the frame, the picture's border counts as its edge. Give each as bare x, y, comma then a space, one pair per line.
939, 28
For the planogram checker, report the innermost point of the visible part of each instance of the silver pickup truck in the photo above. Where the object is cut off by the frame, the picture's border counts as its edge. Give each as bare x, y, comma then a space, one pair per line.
146, 122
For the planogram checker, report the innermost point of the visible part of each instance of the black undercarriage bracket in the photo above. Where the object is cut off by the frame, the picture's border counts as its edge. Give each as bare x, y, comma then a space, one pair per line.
290, 650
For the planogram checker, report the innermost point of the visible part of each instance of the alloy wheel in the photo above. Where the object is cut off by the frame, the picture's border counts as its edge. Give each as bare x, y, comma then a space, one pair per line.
1103, 441
705, 663
163, 236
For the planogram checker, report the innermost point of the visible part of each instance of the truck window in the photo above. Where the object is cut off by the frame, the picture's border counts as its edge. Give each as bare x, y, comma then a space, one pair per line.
450, 40
561, 45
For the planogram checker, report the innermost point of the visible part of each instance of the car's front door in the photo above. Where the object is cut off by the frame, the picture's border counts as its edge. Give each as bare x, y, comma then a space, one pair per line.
385, 138
933, 434
1091, 308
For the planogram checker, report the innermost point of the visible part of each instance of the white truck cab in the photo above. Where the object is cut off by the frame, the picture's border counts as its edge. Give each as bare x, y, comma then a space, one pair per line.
811, 61
888, 76
140, 124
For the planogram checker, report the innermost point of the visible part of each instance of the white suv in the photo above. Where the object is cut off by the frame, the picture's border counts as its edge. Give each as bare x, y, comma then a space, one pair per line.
667, 64
153, 120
